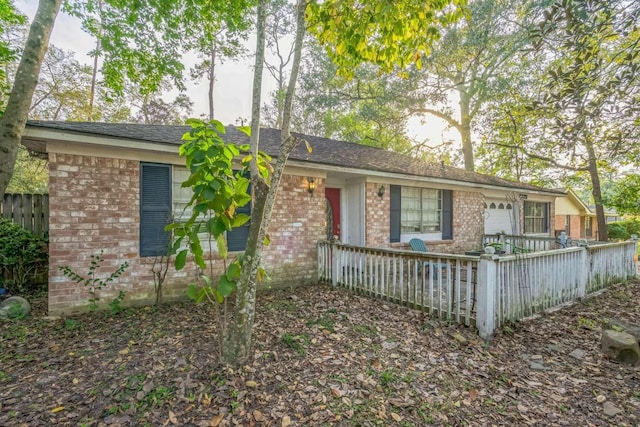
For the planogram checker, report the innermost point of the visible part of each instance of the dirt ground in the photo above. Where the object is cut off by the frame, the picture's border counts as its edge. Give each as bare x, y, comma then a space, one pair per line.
323, 356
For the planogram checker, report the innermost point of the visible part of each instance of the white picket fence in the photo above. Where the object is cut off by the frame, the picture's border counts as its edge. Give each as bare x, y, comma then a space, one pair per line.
441, 284
484, 291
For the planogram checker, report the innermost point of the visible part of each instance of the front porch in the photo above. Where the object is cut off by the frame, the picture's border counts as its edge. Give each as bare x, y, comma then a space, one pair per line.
481, 291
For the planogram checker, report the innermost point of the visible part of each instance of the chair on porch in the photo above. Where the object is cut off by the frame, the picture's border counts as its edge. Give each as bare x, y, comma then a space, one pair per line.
418, 245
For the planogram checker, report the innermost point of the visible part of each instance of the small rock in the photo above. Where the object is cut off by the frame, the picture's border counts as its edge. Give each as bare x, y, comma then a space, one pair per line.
556, 348
620, 346
536, 357
577, 354
460, 338
251, 384
600, 398
388, 345
537, 366
610, 410
15, 307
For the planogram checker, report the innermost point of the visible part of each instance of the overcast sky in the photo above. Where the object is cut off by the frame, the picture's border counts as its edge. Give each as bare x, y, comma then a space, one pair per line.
233, 86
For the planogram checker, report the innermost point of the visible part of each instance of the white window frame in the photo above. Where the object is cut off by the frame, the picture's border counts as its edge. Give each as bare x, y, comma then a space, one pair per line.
423, 206
536, 218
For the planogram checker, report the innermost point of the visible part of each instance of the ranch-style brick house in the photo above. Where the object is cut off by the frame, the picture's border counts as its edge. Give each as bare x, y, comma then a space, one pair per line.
113, 187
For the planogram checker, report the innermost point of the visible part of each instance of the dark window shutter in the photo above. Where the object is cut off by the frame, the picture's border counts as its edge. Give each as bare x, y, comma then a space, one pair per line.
394, 213
447, 214
237, 238
547, 225
155, 208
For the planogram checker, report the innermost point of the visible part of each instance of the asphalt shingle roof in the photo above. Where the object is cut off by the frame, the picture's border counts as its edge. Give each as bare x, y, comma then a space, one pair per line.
325, 151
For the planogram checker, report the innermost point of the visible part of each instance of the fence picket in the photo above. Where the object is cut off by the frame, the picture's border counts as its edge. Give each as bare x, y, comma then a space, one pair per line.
30, 211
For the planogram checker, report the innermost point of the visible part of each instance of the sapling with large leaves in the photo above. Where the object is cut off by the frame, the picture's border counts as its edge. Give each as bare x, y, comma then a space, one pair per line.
218, 180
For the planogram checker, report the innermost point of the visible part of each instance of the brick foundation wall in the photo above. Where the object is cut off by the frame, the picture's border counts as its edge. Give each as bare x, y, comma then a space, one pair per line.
94, 206
377, 216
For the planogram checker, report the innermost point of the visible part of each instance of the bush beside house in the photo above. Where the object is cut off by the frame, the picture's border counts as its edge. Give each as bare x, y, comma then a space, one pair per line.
23, 259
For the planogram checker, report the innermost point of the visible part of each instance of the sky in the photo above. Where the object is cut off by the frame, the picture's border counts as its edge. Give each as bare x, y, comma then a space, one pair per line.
232, 93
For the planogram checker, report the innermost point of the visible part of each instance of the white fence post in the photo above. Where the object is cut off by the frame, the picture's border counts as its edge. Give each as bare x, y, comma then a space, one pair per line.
486, 295
634, 239
583, 272
335, 268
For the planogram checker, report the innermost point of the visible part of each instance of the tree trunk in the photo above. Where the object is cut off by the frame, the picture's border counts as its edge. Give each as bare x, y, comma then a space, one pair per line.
596, 191
212, 76
465, 130
237, 345
15, 116
94, 73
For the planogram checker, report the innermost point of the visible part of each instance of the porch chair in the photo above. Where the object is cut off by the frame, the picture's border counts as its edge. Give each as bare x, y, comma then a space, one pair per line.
418, 245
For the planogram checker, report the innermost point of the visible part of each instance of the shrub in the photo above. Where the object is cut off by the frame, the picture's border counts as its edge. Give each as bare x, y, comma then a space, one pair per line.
622, 230
22, 256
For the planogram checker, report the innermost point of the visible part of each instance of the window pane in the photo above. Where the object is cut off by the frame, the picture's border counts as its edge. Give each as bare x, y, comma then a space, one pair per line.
535, 217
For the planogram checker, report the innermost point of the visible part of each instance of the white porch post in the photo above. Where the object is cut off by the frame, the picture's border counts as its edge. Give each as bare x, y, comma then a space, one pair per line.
486, 295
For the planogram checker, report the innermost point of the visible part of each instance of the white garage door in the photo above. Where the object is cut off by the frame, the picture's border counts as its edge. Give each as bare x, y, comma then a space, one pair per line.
497, 217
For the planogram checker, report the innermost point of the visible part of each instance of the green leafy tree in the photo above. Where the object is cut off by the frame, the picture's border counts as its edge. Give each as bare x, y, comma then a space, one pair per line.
472, 65
367, 109
387, 34
218, 191
589, 100
10, 20
31, 174
624, 196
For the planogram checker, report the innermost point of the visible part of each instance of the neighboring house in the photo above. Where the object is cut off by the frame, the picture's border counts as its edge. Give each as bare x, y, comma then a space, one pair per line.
113, 186
578, 219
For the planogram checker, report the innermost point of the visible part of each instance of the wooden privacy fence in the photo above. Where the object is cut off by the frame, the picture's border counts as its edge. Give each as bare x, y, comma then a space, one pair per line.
30, 211
484, 291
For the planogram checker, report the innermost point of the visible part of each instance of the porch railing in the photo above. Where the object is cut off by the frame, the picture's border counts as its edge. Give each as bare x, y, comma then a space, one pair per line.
485, 291
519, 244
441, 284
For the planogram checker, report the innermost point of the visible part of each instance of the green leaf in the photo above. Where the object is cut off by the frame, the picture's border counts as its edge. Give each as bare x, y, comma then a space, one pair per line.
234, 271
241, 199
221, 242
192, 291
245, 129
240, 219
225, 286
267, 240
181, 259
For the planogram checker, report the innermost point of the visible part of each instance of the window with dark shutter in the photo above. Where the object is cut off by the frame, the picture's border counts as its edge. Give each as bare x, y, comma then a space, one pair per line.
394, 213
155, 208
237, 238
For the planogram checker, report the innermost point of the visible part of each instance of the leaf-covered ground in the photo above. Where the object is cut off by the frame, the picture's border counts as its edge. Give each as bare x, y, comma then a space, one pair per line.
323, 356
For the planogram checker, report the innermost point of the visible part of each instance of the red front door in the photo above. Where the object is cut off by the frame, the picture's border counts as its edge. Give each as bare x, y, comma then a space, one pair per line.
333, 212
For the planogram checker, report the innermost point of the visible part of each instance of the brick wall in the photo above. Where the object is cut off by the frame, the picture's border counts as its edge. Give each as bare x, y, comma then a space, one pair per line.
468, 221
297, 223
94, 206
377, 216
575, 227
